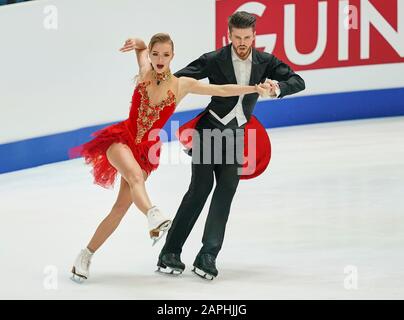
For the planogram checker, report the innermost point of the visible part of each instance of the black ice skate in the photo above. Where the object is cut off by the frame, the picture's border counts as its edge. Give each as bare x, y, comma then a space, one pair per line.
170, 263
205, 266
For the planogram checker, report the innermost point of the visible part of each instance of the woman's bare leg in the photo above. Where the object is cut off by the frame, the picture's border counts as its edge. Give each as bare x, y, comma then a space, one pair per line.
121, 157
112, 220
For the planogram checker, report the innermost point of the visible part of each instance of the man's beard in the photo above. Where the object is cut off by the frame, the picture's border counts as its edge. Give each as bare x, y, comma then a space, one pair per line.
244, 53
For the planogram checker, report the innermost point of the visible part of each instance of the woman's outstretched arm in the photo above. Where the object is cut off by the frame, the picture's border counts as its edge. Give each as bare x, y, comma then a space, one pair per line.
141, 53
190, 85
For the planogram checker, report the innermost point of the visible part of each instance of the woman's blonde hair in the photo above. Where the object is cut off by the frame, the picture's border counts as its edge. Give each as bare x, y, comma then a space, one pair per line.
160, 37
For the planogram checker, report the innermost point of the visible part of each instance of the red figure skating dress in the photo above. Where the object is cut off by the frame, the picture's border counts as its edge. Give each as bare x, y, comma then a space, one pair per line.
139, 132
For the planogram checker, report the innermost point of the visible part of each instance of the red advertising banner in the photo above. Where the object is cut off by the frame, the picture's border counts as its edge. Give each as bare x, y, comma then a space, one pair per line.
313, 34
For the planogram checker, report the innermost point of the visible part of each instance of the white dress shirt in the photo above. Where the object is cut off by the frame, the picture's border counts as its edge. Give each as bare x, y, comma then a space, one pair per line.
242, 70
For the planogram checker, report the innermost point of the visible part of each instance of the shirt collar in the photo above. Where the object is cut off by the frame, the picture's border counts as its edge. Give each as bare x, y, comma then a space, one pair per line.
235, 57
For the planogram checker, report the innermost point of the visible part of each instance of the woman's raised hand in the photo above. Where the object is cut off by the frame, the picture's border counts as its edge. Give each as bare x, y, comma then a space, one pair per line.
133, 44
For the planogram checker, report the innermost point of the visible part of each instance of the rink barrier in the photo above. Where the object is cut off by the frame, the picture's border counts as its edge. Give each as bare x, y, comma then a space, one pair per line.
293, 111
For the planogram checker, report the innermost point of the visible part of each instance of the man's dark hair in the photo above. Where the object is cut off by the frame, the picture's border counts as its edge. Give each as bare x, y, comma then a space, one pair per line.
241, 20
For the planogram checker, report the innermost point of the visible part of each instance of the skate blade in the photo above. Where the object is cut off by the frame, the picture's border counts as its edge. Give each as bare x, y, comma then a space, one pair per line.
169, 271
202, 274
158, 233
78, 278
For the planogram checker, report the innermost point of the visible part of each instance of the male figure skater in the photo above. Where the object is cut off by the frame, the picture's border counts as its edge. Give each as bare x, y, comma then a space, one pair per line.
239, 62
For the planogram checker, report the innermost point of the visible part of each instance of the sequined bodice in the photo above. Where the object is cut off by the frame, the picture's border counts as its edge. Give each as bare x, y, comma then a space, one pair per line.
144, 117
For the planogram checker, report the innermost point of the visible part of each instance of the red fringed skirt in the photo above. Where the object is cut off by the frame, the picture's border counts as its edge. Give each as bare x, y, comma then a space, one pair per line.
146, 153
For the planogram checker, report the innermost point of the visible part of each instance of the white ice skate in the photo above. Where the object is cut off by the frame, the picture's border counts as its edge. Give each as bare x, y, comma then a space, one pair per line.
158, 224
81, 266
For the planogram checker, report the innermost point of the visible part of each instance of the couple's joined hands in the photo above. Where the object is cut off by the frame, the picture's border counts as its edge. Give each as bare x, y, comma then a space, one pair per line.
268, 88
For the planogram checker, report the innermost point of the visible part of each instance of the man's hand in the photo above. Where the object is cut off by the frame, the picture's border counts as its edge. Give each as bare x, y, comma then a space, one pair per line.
272, 86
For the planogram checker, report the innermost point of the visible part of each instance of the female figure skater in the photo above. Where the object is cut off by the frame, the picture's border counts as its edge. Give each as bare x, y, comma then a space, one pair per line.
131, 148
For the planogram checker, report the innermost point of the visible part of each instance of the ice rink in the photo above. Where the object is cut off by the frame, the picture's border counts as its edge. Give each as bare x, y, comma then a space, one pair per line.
325, 221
